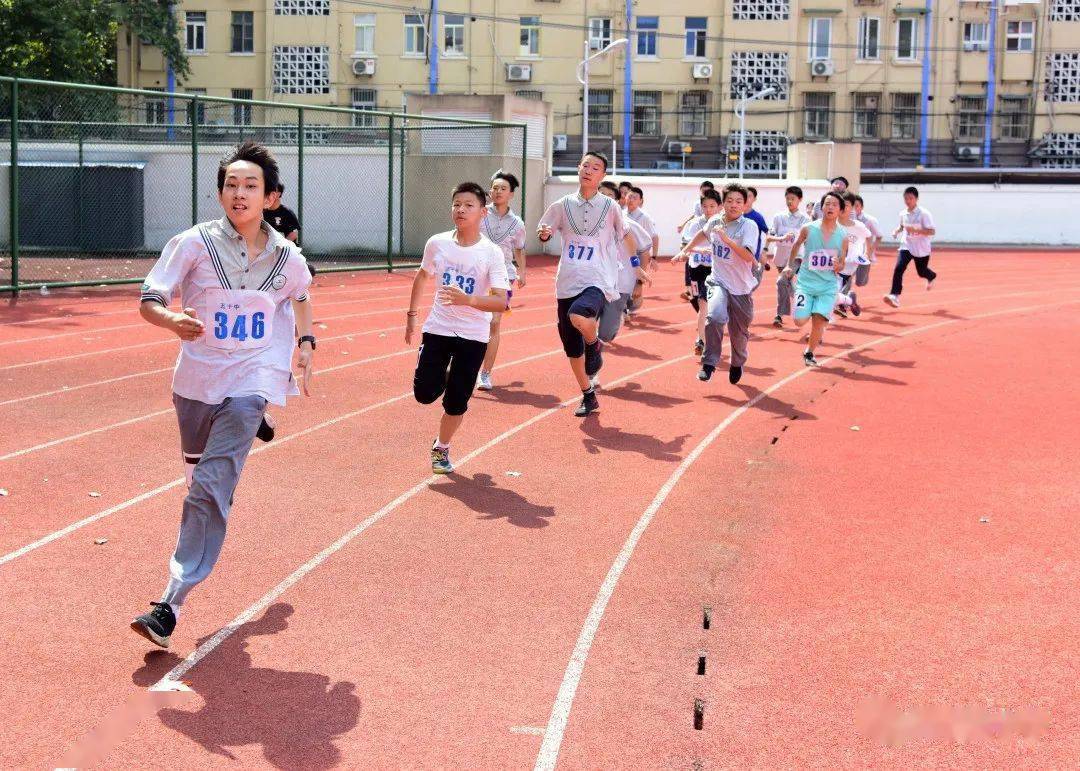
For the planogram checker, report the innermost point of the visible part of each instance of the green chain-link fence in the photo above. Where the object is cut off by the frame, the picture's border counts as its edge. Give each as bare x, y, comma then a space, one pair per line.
95, 180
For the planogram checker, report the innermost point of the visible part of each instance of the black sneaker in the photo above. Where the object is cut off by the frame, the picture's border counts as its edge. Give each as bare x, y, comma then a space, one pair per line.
734, 375
808, 359
706, 372
699, 347
856, 309
593, 360
840, 312
589, 404
266, 429
778, 322
156, 626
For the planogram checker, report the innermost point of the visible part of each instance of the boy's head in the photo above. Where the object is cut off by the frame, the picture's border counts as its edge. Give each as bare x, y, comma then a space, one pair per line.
711, 202
849, 203
832, 204
635, 196
467, 205
840, 184
503, 185
610, 189
751, 196
857, 201
706, 185
792, 197
734, 198
592, 170
247, 183
911, 197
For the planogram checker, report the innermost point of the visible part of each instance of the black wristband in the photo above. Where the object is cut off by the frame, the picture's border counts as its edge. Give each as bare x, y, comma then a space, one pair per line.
306, 339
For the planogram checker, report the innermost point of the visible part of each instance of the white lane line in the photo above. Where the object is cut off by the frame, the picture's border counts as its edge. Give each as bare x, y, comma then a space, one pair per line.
564, 699
69, 389
531, 730
39, 338
73, 437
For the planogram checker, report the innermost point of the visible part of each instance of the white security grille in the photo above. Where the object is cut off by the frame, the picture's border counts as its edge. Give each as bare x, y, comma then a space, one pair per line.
761, 10
765, 151
1063, 77
301, 7
1059, 151
752, 71
301, 70
316, 134
1064, 10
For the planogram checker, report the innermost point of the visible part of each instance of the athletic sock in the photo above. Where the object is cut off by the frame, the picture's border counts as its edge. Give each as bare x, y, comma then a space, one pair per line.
587, 391
173, 607
440, 446
594, 342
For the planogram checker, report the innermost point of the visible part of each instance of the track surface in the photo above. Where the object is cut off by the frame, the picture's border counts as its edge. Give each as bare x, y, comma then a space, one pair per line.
877, 596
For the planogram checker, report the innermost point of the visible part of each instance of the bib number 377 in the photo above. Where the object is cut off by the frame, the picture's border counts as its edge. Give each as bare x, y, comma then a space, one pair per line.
579, 252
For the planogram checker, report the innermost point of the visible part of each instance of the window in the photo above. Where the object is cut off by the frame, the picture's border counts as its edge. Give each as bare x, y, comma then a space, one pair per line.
241, 113
970, 117
695, 36
243, 32
761, 10
906, 45
865, 116
1013, 117
766, 151
415, 35
1059, 150
1064, 10
155, 111
976, 36
905, 116
530, 36
363, 33
1020, 36
751, 71
818, 115
528, 93
195, 32
599, 33
647, 113
362, 99
301, 70
301, 7
869, 38
646, 35
199, 107
600, 112
693, 113
286, 134
820, 38
454, 34
1062, 77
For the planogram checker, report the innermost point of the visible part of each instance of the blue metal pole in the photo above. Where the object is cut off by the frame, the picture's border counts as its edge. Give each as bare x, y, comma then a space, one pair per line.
170, 79
628, 84
433, 61
924, 123
991, 85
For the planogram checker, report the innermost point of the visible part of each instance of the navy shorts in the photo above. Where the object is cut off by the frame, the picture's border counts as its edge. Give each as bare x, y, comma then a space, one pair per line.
588, 304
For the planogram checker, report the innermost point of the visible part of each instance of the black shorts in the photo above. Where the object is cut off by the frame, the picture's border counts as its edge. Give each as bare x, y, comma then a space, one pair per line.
463, 358
686, 273
698, 274
588, 304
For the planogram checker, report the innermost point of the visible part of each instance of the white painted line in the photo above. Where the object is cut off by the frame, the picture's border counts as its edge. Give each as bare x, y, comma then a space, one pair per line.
78, 332
68, 389
564, 699
73, 437
531, 730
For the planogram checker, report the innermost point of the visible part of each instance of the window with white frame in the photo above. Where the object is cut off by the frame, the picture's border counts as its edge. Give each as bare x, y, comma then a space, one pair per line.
970, 118
764, 151
155, 110
696, 27
752, 71
864, 123
415, 35
1013, 117
195, 32
1062, 82
288, 134
646, 113
600, 100
976, 36
646, 29
907, 29
301, 7
241, 113
301, 70
1064, 10
454, 34
199, 108
761, 10
1020, 36
693, 113
362, 99
363, 33
818, 114
243, 32
905, 116
869, 47
1059, 150
530, 93
820, 38
599, 33
530, 36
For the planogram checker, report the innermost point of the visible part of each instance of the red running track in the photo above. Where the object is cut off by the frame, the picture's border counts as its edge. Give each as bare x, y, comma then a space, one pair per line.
490, 620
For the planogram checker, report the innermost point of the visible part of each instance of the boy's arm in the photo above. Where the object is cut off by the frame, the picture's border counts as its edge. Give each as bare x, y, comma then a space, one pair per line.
519, 258
839, 266
796, 256
161, 283
698, 239
418, 285
305, 325
184, 325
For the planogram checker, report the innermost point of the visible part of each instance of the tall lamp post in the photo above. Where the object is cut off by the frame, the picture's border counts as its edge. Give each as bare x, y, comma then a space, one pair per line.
583, 79
740, 110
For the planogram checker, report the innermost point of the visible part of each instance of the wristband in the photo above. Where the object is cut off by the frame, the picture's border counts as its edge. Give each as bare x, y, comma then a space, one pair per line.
635, 261
411, 313
306, 339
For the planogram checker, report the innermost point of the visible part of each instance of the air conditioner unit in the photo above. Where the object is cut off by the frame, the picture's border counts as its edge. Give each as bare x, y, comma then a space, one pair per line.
520, 72
701, 71
677, 148
558, 143
822, 68
968, 152
363, 67
976, 45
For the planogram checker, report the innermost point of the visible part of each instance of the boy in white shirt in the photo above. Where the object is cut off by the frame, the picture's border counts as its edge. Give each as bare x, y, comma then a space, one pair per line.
631, 273
699, 263
916, 228
471, 272
244, 289
857, 235
785, 229
862, 274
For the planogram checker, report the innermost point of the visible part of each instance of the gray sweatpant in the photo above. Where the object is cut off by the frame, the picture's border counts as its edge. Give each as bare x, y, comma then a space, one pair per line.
611, 318
785, 290
734, 310
216, 440
862, 275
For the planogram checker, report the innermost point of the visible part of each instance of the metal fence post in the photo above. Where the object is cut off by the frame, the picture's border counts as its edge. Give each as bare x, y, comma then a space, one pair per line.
13, 184
79, 184
401, 192
193, 107
524, 167
300, 171
390, 197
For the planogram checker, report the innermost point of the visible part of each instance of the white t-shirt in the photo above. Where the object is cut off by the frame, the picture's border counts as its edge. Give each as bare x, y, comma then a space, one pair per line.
702, 255
473, 269
589, 230
857, 233
642, 217
784, 222
507, 233
627, 274
733, 272
919, 246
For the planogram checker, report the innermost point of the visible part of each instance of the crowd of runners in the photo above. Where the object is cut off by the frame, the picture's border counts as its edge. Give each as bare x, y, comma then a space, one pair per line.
244, 306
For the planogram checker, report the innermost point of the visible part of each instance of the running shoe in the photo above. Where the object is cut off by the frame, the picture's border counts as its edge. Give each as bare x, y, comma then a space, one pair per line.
930, 283
156, 626
589, 404
594, 381
706, 373
440, 460
856, 309
266, 428
778, 322
839, 311
808, 359
892, 300
484, 381
699, 347
685, 295
734, 374
593, 359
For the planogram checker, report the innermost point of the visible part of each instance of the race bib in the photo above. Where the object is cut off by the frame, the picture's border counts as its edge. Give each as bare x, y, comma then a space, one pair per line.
238, 319
822, 259
575, 250
722, 251
466, 284
700, 258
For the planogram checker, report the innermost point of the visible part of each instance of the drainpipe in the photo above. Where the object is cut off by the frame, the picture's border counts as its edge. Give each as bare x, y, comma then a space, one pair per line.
628, 82
924, 123
433, 43
991, 84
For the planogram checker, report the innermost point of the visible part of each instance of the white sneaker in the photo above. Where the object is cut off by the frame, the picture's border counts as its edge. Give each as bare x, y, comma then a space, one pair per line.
892, 300
594, 381
484, 381
930, 284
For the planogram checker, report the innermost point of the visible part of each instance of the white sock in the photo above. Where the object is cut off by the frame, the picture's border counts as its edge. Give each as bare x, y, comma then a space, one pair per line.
173, 607
440, 446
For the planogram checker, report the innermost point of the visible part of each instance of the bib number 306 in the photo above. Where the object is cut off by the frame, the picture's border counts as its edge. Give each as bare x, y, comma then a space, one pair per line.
237, 328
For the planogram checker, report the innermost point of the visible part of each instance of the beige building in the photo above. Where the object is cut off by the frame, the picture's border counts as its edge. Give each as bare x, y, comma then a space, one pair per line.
849, 70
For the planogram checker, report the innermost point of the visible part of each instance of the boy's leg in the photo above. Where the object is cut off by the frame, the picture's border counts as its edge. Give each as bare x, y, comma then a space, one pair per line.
862, 275
572, 342
902, 260
715, 320
817, 331
429, 379
611, 318
922, 267
740, 314
584, 315
493, 343
465, 362
784, 290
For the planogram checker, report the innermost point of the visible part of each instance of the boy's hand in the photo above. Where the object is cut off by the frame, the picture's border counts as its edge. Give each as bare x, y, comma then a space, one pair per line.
304, 361
521, 279
451, 295
789, 238
187, 326
544, 232
680, 257
643, 275
410, 329
788, 273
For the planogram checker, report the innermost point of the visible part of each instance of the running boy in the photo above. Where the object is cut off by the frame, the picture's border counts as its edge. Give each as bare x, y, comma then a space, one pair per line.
243, 289
730, 287
471, 272
916, 228
857, 235
785, 229
862, 274
589, 225
826, 249
631, 272
507, 231
699, 263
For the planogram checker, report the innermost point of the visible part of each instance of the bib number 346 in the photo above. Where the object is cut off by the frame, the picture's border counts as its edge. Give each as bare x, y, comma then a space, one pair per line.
237, 327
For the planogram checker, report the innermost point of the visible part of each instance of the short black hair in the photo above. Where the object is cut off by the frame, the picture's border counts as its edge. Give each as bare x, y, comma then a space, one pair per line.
849, 197
751, 190
598, 155
734, 187
624, 183
712, 195
471, 187
858, 199
281, 188
794, 190
708, 185
638, 190
255, 153
837, 196
510, 179
607, 184
843, 179
912, 189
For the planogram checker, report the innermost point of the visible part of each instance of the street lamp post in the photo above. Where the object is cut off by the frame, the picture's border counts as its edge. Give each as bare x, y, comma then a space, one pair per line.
741, 112
583, 79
